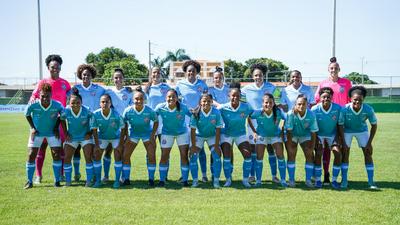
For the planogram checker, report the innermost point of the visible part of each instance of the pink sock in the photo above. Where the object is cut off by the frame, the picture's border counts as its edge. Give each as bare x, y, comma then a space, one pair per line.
40, 161
326, 158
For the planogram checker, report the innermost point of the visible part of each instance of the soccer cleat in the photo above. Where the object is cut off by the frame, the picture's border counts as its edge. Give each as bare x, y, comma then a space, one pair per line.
67, 184
309, 184
373, 186
116, 184
151, 183
77, 177
126, 182
343, 185
228, 182
57, 184
161, 184
105, 179
37, 180
216, 183
284, 184
292, 184
204, 179
185, 183
326, 179
252, 179
88, 184
246, 183
180, 180
258, 184
318, 184
335, 185
195, 183
62, 178
276, 180
97, 184
28, 185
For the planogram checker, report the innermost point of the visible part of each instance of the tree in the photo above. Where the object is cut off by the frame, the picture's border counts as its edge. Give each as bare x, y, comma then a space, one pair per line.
234, 69
134, 71
178, 55
357, 78
276, 69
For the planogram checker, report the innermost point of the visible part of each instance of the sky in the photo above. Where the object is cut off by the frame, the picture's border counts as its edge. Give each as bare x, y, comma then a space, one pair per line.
296, 32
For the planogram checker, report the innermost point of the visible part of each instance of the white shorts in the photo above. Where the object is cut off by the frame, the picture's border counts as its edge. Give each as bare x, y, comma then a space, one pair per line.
200, 141
362, 138
136, 140
330, 140
104, 143
250, 131
300, 140
238, 140
167, 141
75, 144
268, 140
37, 141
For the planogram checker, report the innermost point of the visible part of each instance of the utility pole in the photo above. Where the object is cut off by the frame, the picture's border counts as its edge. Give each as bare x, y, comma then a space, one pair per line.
149, 60
362, 70
40, 43
334, 30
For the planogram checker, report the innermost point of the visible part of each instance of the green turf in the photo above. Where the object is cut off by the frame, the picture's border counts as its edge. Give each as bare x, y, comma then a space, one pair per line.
138, 204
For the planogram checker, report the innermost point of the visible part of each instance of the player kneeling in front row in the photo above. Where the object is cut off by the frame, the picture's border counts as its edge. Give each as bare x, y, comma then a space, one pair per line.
43, 118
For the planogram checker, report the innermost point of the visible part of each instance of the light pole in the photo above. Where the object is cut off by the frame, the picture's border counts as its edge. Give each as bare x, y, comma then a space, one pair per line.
40, 43
334, 30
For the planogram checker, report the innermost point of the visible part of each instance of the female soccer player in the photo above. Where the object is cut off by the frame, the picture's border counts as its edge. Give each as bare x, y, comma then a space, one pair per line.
43, 118
220, 90
190, 90
253, 94
295, 88
138, 120
121, 98
268, 132
106, 125
60, 92
173, 119
235, 115
90, 96
327, 114
205, 124
301, 128
352, 124
340, 87
78, 134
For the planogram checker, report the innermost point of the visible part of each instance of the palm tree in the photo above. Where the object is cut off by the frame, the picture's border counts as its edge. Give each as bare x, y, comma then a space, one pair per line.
178, 55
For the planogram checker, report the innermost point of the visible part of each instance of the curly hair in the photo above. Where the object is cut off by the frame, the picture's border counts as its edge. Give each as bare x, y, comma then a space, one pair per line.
45, 87
327, 90
259, 66
88, 67
56, 58
194, 63
358, 90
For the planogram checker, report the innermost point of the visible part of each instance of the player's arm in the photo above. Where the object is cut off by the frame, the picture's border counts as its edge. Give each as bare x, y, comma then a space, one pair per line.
34, 132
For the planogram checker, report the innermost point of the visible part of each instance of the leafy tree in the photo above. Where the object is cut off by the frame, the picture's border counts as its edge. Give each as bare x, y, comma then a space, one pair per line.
357, 78
134, 71
234, 69
275, 68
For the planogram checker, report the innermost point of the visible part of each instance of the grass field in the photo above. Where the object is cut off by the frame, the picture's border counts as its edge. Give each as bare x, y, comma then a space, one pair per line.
139, 204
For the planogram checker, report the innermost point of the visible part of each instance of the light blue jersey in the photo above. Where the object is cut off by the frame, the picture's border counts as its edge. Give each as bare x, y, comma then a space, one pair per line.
220, 95
266, 125
289, 95
120, 99
206, 123
157, 94
78, 125
44, 119
235, 119
108, 127
173, 120
327, 120
91, 95
354, 122
254, 94
139, 122
191, 93
302, 126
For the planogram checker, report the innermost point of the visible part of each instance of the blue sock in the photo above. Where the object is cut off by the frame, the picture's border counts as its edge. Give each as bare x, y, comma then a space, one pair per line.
246, 168
203, 162
217, 165
227, 168
272, 164
167, 166
97, 170
370, 173
194, 167
184, 172
77, 163
68, 172
126, 171
309, 167
118, 169
57, 170
151, 169
163, 168
259, 169
89, 172
282, 169
291, 166
107, 165
253, 164
335, 172
317, 173
30, 170
345, 169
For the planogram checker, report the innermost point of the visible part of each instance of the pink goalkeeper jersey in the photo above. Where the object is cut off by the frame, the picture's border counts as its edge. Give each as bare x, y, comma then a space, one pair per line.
60, 90
340, 90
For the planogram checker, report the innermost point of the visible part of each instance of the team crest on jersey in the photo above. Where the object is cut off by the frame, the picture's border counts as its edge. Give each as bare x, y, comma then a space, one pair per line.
199, 89
146, 119
84, 122
164, 141
124, 97
334, 117
163, 91
341, 89
213, 121
306, 124
64, 87
93, 93
113, 124
179, 116
261, 138
53, 115
242, 115
251, 137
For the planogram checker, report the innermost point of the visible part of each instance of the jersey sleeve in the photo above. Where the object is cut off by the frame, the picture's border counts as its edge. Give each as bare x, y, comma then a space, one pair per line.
93, 123
283, 98
316, 95
153, 116
124, 116
193, 122
372, 117
314, 125
289, 121
63, 114
28, 110
341, 116
255, 114
218, 123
